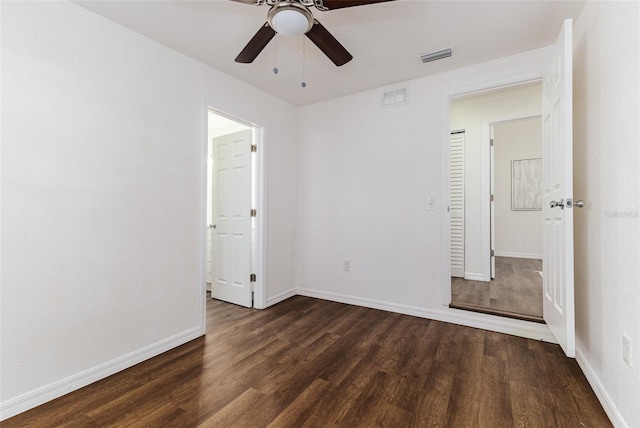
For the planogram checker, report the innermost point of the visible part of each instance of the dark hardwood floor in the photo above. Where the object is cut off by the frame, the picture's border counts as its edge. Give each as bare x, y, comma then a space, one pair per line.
314, 363
515, 292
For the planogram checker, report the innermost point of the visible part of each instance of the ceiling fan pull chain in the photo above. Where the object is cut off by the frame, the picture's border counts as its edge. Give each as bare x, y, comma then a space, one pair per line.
275, 56
304, 84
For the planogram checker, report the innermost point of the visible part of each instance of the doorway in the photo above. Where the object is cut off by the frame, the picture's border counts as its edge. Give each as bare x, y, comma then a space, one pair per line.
499, 243
232, 209
556, 110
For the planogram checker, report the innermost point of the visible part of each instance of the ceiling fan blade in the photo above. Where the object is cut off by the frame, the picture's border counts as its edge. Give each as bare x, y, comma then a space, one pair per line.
339, 4
256, 44
328, 44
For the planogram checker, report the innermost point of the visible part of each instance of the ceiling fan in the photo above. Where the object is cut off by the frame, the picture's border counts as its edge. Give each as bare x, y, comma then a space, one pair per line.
293, 18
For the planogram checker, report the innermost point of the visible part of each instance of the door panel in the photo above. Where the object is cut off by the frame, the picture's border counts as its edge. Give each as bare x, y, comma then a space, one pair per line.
232, 217
557, 114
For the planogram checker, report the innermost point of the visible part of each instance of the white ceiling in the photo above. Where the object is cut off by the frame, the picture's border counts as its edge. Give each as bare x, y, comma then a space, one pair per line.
384, 39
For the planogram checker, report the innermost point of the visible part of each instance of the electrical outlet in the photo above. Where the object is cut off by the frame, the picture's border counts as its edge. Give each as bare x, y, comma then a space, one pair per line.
346, 265
626, 349
429, 205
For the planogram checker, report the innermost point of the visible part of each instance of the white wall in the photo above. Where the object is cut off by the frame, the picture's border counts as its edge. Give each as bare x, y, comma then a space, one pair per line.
607, 176
474, 114
103, 166
364, 175
518, 233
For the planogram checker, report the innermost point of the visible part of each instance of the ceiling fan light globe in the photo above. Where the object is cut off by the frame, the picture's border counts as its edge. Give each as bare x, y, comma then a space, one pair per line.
290, 23
290, 18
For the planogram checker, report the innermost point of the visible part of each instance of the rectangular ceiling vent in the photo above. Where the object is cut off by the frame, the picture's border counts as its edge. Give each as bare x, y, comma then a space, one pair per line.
395, 97
434, 56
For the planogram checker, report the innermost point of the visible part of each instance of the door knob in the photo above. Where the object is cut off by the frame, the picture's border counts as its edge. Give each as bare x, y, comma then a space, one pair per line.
579, 203
554, 204
212, 226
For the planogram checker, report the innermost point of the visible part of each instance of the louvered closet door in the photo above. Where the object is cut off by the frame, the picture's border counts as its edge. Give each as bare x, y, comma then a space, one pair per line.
456, 203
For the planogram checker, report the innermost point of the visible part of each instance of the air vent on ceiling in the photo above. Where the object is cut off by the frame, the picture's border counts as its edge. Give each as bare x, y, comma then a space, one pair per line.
433, 56
395, 97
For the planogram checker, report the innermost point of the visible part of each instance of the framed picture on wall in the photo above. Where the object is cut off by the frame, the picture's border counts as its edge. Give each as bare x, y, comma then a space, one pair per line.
526, 185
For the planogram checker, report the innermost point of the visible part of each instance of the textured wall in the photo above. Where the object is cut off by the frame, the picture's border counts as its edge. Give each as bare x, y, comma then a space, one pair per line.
607, 176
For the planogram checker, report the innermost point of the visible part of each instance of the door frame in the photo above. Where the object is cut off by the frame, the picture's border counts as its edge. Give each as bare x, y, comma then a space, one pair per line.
258, 138
447, 97
492, 203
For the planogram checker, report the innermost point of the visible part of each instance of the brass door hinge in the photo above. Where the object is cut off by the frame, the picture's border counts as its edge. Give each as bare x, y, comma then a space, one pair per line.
253, 277
254, 213
254, 148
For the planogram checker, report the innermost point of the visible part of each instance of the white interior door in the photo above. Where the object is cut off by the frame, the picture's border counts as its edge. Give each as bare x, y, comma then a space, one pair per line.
456, 203
557, 119
231, 214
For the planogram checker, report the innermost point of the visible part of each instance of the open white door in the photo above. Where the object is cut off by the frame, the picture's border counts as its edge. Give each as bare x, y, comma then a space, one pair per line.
557, 206
231, 210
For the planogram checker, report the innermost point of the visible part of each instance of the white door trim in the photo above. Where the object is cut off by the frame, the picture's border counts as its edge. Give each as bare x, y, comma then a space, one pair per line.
260, 286
203, 224
492, 205
447, 97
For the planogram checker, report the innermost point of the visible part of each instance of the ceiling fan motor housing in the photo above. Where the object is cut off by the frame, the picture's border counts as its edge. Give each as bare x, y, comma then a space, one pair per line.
290, 18
293, 18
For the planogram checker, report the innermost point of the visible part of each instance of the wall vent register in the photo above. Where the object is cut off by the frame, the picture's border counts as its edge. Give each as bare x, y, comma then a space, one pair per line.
395, 97
436, 55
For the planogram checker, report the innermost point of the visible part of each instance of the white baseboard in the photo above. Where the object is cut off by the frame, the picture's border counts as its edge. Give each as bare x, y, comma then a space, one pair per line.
59, 388
475, 277
607, 403
518, 255
527, 329
280, 297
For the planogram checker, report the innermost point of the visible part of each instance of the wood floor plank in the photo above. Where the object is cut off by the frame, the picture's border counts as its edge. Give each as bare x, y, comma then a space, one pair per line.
299, 411
409, 385
205, 401
433, 405
466, 394
290, 366
240, 412
310, 363
332, 407
367, 409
